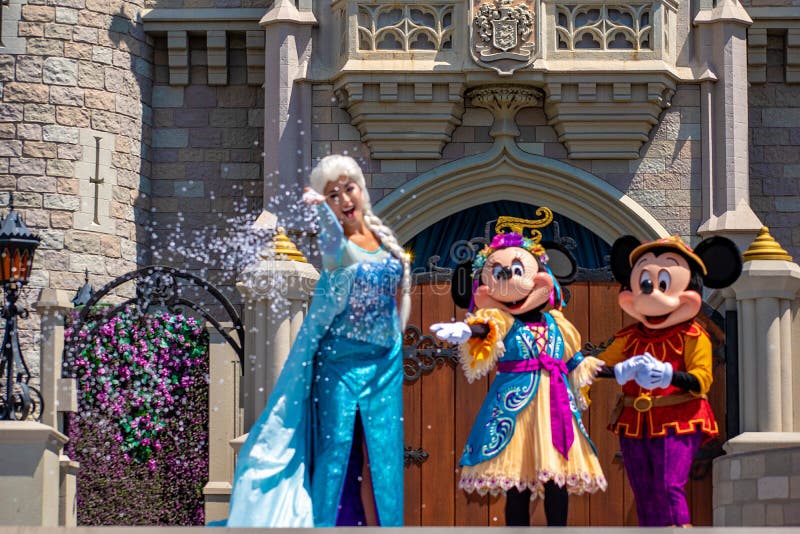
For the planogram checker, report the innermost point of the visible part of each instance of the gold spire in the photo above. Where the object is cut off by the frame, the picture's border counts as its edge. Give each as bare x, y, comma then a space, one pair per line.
284, 249
764, 247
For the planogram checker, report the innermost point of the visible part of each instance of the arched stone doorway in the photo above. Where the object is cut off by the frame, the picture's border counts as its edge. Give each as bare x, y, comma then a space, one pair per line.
506, 172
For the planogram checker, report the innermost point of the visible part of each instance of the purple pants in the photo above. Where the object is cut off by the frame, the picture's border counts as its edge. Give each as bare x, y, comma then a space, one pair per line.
658, 469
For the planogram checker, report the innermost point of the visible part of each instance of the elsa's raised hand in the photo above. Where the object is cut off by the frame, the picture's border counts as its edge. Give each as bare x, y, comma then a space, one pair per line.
311, 197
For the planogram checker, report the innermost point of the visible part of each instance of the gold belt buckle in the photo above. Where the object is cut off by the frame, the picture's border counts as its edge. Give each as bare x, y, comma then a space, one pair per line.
643, 403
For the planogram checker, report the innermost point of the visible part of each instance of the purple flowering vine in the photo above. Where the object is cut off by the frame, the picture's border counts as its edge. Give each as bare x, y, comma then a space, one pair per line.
142, 420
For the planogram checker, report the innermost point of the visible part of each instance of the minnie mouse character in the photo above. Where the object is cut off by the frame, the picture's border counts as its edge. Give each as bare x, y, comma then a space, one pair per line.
664, 365
528, 440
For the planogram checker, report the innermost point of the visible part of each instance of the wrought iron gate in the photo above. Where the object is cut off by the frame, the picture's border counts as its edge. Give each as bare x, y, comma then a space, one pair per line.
157, 287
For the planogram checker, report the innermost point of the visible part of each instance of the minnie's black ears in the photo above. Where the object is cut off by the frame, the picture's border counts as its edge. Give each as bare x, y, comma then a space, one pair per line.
722, 259
620, 258
461, 285
561, 262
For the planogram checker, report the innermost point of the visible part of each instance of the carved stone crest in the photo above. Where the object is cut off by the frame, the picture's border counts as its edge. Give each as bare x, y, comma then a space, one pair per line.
502, 34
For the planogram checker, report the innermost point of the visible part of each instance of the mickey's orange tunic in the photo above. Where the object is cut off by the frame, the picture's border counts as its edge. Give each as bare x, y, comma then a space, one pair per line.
687, 348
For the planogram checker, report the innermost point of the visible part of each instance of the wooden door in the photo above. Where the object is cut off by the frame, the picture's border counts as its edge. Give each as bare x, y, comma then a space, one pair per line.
440, 407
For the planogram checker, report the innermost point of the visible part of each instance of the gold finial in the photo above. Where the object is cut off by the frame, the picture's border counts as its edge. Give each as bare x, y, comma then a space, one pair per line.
518, 225
764, 247
284, 249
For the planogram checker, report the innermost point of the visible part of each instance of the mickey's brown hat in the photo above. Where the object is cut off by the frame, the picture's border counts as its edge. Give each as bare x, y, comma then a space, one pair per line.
672, 242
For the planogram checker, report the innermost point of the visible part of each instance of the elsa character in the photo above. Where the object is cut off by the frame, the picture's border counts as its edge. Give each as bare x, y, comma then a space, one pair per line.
328, 448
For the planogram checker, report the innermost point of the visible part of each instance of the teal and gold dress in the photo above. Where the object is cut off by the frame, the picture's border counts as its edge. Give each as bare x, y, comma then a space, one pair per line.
346, 360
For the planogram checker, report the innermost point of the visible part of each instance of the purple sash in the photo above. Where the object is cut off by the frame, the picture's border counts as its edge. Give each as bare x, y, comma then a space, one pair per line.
560, 416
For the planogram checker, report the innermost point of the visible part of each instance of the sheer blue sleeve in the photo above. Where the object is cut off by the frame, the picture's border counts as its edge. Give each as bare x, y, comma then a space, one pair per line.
331, 239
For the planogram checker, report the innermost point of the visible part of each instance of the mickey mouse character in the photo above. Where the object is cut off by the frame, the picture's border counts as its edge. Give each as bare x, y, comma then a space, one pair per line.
528, 440
664, 365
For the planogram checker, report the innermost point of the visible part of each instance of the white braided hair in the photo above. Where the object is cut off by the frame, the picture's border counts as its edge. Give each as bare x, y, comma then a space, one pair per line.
329, 169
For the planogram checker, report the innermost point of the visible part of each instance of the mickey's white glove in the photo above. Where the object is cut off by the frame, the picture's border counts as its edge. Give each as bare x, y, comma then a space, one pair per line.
654, 373
626, 370
312, 197
452, 332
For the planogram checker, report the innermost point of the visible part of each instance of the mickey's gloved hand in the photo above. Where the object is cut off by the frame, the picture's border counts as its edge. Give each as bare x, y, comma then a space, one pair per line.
654, 373
452, 332
625, 371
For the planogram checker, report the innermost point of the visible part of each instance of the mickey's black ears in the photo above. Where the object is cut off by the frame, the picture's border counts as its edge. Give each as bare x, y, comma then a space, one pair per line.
461, 285
561, 262
722, 259
719, 254
620, 258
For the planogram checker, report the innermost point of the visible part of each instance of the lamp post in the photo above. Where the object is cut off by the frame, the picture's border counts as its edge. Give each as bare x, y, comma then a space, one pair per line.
17, 245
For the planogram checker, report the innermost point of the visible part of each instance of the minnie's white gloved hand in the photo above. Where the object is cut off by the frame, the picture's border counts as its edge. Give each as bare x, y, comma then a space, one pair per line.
457, 332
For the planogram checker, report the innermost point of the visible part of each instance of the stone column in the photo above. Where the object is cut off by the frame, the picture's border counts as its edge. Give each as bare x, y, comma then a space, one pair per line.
59, 394
68, 492
276, 291
287, 105
722, 36
52, 307
765, 294
224, 421
29, 473
754, 482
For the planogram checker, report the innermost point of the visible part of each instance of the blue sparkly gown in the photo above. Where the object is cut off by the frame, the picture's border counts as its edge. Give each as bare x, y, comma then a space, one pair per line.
347, 359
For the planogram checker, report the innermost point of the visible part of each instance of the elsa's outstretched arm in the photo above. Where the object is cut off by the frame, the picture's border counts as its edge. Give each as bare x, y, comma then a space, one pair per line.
331, 240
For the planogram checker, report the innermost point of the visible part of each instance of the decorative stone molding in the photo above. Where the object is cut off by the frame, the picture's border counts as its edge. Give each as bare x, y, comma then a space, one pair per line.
424, 34
254, 42
217, 57
608, 120
757, 55
504, 101
604, 27
611, 33
215, 24
773, 18
608, 68
162, 20
793, 55
178, 57
403, 120
406, 28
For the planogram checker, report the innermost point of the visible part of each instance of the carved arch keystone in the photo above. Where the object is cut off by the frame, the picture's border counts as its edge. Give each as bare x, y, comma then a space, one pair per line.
504, 101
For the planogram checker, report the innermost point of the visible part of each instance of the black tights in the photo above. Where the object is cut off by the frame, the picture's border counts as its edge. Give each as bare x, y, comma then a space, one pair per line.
556, 505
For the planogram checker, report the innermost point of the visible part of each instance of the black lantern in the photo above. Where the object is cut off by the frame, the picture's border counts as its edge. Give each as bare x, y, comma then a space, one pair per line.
17, 245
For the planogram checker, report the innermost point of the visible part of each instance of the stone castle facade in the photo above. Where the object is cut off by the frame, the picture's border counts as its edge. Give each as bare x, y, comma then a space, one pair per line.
132, 131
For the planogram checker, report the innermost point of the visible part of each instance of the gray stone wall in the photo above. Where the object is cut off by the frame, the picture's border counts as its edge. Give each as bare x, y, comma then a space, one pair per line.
207, 180
665, 180
775, 149
84, 70
757, 489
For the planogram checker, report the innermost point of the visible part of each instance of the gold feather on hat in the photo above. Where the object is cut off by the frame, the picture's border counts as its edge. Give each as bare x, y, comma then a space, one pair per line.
519, 225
